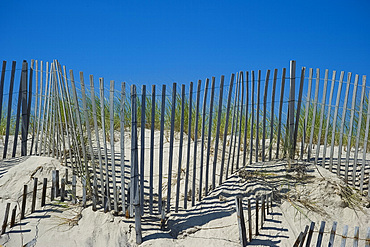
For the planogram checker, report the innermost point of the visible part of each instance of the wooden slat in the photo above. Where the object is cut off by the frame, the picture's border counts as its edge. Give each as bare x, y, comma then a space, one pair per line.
321, 232
2, 79
142, 148
241, 222
298, 115
88, 131
217, 139
209, 138
190, 107
245, 145
367, 241
249, 220
202, 140
344, 236
265, 114
280, 111
97, 138
15, 141
151, 162
349, 136
8, 116
257, 209
292, 107
323, 102
241, 119
43, 195
365, 148
304, 236
308, 103
356, 236
233, 134
332, 234
258, 113
163, 108
113, 163
315, 102
34, 192
252, 120
24, 200
335, 120
14, 214
272, 115
226, 127
29, 103
24, 83
310, 232
343, 123
328, 118
122, 144
179, 170
360, 116
79, 127
102, 114
195, 144
39, 102
170, 158
5, 222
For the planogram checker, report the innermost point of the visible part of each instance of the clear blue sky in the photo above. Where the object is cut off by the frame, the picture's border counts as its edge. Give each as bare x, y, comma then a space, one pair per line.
166, 41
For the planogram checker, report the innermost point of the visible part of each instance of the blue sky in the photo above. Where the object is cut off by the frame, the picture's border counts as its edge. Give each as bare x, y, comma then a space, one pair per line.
147, 42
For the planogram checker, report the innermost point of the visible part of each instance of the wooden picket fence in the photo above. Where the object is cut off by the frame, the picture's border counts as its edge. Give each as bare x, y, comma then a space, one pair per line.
306, 236
239, 123
57, 189
262, 205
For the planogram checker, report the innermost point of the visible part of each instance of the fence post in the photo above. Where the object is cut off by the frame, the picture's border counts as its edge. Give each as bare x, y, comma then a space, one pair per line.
188, 146
2, 87
310, 232
142, 147
264, 115
249, 220
202, 142
74, 181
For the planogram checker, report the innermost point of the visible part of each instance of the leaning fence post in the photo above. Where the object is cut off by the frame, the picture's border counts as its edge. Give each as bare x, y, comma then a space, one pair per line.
241, 222
304, 236
5, 222
34, 195
24, 201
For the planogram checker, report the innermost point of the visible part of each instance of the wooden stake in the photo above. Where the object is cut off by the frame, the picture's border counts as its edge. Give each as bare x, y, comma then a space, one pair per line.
34, 195
5, 222
170, 158
24, 199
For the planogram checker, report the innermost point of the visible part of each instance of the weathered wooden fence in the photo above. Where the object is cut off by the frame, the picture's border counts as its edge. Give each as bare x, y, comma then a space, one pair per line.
307, 234
123, 144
